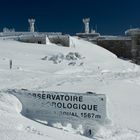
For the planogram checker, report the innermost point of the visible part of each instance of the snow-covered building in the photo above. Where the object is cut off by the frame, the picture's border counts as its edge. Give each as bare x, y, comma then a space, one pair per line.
87, 33
127, 46
32, 36
135, 48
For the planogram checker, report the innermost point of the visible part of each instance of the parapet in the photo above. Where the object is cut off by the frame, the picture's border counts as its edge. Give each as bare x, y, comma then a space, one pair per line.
132, 32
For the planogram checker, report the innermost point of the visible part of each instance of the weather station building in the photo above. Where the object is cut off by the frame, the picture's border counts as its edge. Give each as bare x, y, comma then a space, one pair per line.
87, 34
126, 47
32, 36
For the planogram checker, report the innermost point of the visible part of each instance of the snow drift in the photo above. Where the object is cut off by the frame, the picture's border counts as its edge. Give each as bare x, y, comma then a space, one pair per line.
101, 71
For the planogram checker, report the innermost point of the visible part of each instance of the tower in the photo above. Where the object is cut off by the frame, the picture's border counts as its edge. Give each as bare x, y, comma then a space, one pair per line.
31, 23
86, 22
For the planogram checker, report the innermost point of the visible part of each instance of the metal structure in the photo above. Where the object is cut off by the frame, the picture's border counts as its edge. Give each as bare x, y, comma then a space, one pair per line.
86, 22
31, 23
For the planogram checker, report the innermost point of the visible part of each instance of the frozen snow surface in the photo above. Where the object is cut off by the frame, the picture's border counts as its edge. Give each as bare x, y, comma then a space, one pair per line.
82, 67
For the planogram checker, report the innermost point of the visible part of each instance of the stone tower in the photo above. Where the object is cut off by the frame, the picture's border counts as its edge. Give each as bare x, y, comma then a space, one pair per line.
86, 22
31, 23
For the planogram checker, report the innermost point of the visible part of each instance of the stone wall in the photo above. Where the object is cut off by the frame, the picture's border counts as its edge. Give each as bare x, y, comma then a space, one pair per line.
122, 48
33, 39
135, 50
62, 40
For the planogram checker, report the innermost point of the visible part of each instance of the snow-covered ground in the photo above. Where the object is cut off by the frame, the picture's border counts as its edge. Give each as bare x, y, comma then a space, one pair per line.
80, 68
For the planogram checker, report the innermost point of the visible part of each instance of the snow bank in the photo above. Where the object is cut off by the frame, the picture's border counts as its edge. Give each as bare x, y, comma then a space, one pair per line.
9, 103
101, 72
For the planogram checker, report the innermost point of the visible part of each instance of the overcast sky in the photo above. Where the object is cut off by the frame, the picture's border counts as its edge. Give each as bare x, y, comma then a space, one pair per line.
110, 16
